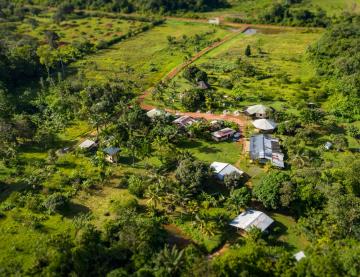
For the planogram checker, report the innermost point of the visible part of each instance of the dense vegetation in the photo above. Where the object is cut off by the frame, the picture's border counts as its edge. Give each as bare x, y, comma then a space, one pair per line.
160, 211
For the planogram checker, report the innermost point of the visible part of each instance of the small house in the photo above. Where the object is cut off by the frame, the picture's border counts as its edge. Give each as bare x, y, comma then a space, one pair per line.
250, 219
112, 154
152, 114
87, 144
203, 85
263, 124
264, 148
214, 21
299, 256
257, 111
184, 121
223, 169
223, 134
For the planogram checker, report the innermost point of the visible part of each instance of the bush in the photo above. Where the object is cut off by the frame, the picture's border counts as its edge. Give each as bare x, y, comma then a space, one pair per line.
56, 202
137, 186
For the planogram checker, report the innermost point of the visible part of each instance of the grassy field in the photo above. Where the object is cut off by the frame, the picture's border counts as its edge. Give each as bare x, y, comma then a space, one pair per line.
92, 29
251, 9
146, 58
282, 73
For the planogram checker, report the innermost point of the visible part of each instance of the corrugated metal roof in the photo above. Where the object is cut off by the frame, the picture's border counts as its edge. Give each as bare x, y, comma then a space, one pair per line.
250, 219
265, 147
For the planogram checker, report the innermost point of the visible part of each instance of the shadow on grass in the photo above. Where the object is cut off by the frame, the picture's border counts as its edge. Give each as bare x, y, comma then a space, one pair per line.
208, 150
275, 232
75, 209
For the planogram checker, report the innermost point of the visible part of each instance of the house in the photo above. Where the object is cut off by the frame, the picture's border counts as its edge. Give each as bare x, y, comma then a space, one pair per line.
299, 256
112, 154
223, 134
328, 145
264, 124
87, 144
184, 121
152, 114
203, 85
215, 21
258, 111
223, 169
264, 148
250, 219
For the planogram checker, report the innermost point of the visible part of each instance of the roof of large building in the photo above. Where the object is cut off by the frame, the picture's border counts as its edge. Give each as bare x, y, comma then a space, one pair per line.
250, 219
224, 132
257, 109
264, 124
266, 147
225, 168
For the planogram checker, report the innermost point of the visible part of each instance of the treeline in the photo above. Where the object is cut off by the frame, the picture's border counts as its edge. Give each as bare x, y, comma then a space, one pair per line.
128, 6
336, 55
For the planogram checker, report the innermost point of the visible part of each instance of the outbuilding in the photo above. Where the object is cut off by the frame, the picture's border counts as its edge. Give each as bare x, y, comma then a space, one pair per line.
152, 114
223, 169
250, 219
112, 154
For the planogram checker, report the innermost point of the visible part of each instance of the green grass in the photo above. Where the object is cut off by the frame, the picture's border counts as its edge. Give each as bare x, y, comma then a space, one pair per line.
278, 54
148, 55
92, 29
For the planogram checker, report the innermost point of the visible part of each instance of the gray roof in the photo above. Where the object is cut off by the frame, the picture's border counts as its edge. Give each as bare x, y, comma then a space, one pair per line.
225, 168
265, 147
250, 219
264, 124
111, 150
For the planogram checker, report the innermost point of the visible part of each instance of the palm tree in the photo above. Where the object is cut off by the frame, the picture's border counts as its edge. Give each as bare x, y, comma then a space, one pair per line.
169, 261
205, 224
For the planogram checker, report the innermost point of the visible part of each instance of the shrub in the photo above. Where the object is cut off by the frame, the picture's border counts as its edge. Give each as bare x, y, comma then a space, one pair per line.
56, 202
137, 186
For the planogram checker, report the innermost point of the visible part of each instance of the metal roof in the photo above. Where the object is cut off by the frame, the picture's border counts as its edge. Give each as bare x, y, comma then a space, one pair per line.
225, 168
265, 147
224, 132
250, 219
264, 124
257, 109
87, 144
111, 150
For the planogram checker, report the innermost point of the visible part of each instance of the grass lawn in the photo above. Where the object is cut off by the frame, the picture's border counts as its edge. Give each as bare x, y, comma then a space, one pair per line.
146, 58
288, 235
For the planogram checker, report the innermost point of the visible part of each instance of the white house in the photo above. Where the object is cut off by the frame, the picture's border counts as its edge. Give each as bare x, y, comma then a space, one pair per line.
223, 169
155, 113
250, 219
87, 144
258, 111
264, 124
215, 21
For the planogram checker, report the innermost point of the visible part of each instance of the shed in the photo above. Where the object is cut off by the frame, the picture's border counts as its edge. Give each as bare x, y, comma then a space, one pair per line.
87, 144
223, 134
112, 154
258, 111
250, 219
299, 256
215, 21
328, 145
223, 169
264, 124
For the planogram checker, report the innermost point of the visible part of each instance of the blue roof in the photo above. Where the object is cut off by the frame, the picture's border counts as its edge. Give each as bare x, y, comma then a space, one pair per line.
111, 150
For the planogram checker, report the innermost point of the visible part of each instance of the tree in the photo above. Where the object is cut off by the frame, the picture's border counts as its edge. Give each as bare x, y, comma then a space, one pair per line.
137, 185
239, 199
270, 190
248, 51
233, 180
192, 99
192, 174
340, 142
169, 262
56, 202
